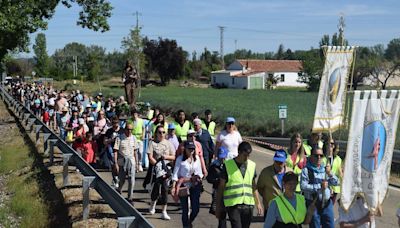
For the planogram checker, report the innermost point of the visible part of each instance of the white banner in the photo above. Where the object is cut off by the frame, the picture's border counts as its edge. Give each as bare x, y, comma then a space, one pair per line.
332, 90
370, 147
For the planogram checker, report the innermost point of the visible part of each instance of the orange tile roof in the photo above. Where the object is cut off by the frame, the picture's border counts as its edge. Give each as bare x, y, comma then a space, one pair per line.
272, 65
245, 74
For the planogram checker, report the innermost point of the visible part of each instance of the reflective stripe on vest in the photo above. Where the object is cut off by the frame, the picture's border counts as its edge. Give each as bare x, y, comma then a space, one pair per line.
295, 168
181, 131
211, 127
239, 190
335, 170
288, 213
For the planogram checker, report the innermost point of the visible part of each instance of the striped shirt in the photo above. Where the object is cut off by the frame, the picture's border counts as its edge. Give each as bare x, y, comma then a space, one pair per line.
125, 145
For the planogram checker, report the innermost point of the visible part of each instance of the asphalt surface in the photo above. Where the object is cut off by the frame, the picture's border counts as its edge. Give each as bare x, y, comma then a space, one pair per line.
263, 158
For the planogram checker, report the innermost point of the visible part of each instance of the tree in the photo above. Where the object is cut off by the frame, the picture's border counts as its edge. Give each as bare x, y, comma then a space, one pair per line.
20, 18
280, 54
367, 59
42, 59
312, 68
63, 60
393, 50
133, 45
165, 57
95, 59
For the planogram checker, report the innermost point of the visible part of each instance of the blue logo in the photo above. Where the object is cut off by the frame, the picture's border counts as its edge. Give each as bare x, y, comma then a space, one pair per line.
373, 145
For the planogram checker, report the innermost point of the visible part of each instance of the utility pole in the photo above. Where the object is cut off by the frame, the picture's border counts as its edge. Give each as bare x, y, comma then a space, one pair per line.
221, 45
341, 26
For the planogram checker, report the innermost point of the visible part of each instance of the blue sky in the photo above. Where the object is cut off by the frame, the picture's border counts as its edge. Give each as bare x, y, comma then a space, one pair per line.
259, 25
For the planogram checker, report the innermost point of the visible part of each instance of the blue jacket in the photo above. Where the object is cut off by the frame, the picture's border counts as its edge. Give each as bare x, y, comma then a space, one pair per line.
206, 142
312, 185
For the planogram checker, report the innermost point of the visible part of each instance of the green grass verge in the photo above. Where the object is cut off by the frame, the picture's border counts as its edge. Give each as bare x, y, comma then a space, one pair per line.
25, 199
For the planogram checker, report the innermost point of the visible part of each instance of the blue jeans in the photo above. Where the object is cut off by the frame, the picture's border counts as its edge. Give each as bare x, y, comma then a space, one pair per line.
194, 202
322, 216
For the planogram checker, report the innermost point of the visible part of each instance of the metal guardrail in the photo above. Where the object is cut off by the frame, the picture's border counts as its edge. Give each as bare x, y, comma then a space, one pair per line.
285, 142
127, 215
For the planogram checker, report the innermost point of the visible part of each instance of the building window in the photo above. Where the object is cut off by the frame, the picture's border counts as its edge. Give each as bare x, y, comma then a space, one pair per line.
233, 81
282, 77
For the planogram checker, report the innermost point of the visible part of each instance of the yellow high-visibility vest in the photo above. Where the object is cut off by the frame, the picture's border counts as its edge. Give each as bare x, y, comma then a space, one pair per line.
181, 131
137, 130
294, 167
288, 213
211, 127
239, 189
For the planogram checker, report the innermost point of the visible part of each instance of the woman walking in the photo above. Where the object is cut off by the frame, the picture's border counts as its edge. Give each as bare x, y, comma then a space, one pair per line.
187, 183
161, 153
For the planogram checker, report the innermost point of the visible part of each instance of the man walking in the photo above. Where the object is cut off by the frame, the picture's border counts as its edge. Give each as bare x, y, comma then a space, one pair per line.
204, 138
124, 154
315, 181
237, 188
269, 184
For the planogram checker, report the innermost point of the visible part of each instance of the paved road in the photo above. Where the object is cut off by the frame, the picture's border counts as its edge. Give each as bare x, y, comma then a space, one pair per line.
263, 158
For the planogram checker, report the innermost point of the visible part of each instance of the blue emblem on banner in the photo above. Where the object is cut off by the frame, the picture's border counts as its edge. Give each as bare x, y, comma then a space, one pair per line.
373, 145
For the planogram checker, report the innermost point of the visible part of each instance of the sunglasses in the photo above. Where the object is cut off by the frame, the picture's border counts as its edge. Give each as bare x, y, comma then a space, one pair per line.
230, 123
161, 132
318, 155
129, 129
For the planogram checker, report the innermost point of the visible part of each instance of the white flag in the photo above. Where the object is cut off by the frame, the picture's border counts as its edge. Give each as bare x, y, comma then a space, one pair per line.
332, 90
370, 147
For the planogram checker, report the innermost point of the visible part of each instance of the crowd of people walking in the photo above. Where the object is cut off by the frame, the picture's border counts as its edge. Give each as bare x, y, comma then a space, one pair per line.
300, 187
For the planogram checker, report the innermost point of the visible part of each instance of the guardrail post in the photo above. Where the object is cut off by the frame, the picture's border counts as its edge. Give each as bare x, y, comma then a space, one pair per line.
26, 117
86, 183
52, 143
37, 131
125, 222
46, 136
66, 158
31, 121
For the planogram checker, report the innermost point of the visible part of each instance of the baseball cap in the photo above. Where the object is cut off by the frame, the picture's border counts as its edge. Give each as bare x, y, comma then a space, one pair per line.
65, 109
230, 119
94, 105
191, 131
190, 145
222, 152
88, 106
280, 156
171, 126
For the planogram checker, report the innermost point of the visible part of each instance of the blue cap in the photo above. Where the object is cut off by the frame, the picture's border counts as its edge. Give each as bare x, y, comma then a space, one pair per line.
230, 119
147, 104
190, 145
280, 156
222, 152
94, 105
171, 126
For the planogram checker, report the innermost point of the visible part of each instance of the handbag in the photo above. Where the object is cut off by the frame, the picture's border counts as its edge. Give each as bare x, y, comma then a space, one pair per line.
183, 191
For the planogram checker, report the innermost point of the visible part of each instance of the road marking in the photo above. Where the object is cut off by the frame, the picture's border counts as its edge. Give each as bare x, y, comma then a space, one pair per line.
264, 152
394, 188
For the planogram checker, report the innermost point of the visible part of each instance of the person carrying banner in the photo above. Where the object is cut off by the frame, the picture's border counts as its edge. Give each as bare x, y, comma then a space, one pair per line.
316, 178
289, 209
358, 215
331, 150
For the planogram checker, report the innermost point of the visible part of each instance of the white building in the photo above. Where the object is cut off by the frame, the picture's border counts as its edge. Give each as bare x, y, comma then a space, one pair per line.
253, 74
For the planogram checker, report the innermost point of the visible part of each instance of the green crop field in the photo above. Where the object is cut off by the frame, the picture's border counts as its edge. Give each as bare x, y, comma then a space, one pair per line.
256, 111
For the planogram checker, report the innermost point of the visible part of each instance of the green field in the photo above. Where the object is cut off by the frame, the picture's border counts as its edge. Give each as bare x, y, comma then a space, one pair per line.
256, 111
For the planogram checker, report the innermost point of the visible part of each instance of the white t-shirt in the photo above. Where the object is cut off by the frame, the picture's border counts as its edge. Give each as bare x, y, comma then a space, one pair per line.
230, 141
187, 169
358, 210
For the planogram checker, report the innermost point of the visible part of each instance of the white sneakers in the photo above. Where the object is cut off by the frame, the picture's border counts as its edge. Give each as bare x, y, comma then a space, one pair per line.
152, 210
165, 216
115, 182
140, 168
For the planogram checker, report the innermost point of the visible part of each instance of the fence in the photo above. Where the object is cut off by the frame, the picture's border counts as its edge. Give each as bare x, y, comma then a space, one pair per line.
127, 215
